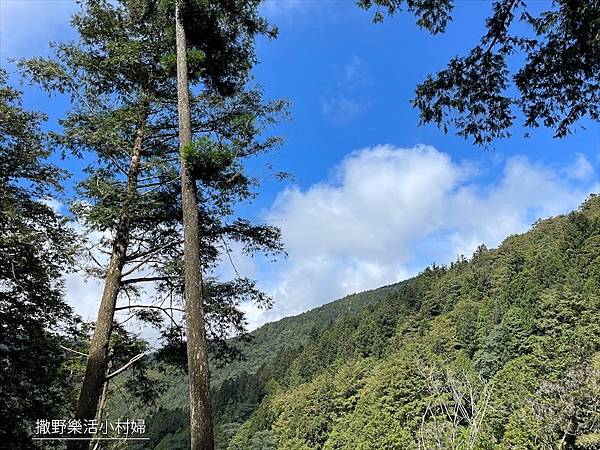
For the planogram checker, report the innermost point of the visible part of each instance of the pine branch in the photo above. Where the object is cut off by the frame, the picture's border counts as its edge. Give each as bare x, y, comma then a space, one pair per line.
152, 252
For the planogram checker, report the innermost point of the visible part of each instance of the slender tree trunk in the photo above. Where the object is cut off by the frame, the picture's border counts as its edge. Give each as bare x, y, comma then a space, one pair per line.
198, 372
95, 372
100, 411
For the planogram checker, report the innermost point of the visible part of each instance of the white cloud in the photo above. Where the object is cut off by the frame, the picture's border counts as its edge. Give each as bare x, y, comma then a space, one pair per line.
383, 215
378, 195
53, 204
83, 294
233, 262
581, 169
342, 109
356, 72
388, 212
346, 102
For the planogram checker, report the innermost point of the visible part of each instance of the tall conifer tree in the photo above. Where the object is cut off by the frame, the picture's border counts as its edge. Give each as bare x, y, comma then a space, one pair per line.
221, 34
121, 78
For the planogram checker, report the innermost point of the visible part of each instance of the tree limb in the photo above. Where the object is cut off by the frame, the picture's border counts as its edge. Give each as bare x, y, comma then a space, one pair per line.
144, 279
74, 351
131, 361
161, 308
148, 306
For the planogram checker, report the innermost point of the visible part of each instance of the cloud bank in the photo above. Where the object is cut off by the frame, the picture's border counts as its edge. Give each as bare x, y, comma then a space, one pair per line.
388, 212
384, 214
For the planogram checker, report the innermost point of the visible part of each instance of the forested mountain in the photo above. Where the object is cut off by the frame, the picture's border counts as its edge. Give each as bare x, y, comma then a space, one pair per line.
501, 351
240, 385
143, 170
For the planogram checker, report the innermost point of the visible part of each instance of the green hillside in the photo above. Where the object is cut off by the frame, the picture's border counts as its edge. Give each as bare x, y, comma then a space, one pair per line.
501, 351
291, 333
240, 386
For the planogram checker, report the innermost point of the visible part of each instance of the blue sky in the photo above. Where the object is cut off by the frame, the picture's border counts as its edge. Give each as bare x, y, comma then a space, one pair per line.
375, 198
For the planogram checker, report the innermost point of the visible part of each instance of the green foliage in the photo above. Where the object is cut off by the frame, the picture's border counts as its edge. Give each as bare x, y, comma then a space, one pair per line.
498, 352
241, 385
120, 77
35, 247
555, 86
433, 16
221, 35
493, 355
209, 161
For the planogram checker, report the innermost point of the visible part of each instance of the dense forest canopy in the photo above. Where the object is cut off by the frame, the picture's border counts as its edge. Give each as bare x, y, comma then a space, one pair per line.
499, 351
168, 134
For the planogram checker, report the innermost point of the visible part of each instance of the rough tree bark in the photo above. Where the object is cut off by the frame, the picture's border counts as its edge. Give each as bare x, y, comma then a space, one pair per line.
95, 372
197, 355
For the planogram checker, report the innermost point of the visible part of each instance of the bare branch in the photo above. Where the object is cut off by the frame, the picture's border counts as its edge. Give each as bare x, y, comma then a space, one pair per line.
148, 306
161, 308
131, 361
230, 258
74, 351
157, 186
145, 279
151, 252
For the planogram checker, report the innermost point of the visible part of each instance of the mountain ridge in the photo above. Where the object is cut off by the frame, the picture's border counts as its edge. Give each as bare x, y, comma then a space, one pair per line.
508, 340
